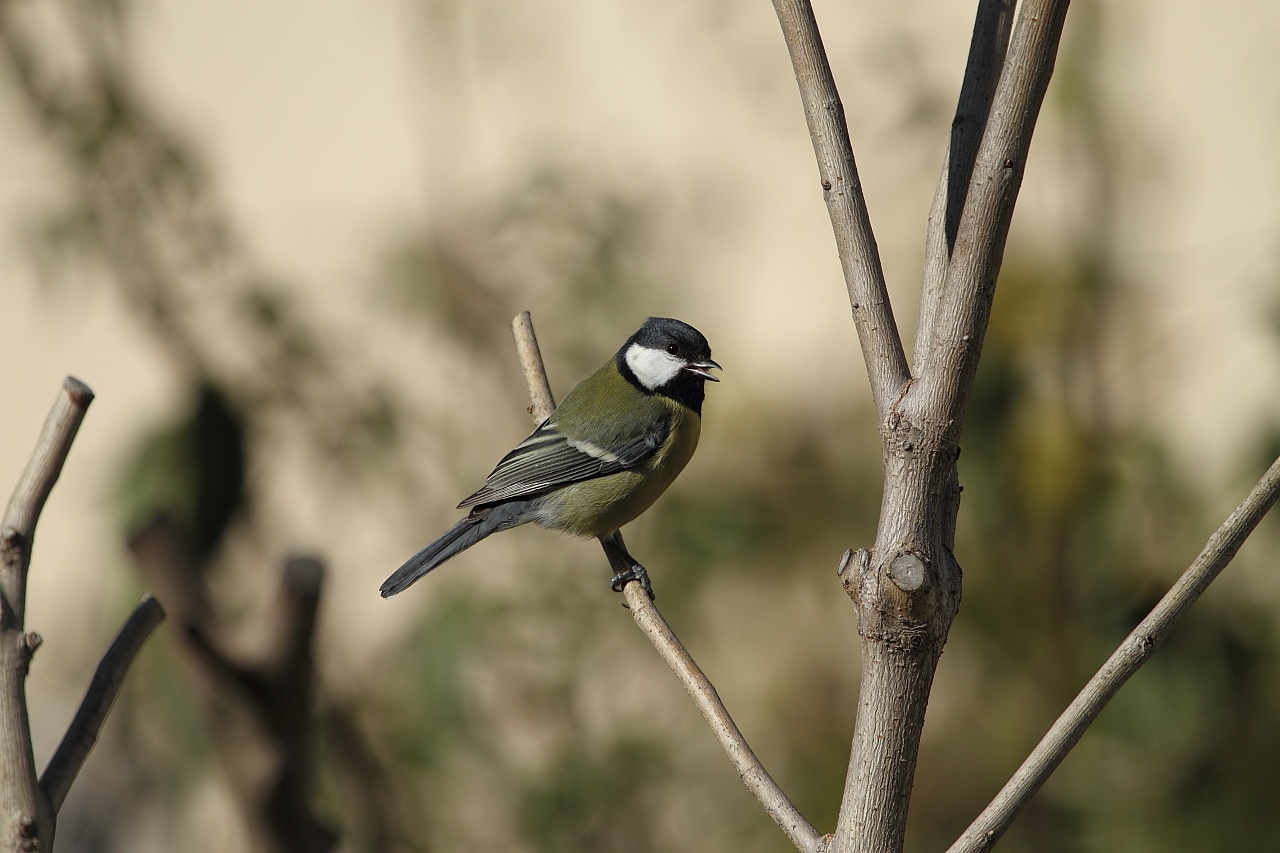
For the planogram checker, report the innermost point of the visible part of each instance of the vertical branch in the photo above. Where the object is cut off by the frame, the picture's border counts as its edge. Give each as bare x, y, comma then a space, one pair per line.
991, 29
26, 821
907, 589
947, 362
258, 710
29, 806
838, 173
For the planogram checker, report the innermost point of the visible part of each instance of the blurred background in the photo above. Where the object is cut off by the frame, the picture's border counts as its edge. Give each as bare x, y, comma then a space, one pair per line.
283, 242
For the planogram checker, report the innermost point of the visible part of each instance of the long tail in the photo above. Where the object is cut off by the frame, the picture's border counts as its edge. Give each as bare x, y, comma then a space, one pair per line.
455, 540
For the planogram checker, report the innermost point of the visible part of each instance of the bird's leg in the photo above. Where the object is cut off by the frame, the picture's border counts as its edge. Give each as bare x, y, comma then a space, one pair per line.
625, 568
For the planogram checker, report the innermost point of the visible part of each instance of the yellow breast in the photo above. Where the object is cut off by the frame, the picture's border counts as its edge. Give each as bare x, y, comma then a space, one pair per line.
599, 507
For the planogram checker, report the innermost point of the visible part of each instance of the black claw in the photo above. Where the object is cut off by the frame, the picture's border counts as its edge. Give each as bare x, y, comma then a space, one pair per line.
635, 572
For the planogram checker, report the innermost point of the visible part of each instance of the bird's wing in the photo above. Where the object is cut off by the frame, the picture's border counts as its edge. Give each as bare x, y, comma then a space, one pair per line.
548, 459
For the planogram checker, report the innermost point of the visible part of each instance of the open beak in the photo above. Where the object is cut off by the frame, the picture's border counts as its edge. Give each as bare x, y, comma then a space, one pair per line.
700, 368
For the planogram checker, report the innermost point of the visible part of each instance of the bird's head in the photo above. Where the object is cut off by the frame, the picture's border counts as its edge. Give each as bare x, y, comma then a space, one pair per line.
667, 353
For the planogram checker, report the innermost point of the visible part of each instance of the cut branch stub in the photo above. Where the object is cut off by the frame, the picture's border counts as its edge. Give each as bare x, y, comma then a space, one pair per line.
907, 572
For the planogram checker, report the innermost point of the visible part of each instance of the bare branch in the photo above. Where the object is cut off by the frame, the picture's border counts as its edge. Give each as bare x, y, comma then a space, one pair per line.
258, 709
946, 362
752, 772
903, 631
26, 821
17, 529
838, 174
991, 28
301, 583
1135, 651
535, 375
82, 734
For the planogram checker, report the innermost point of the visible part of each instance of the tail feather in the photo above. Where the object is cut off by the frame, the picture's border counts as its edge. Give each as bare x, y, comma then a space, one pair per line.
455, 540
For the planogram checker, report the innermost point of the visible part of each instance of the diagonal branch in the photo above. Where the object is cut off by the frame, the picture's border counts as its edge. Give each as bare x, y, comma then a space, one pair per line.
758, 781
859, 257
1135, 651
543, 402
82, 734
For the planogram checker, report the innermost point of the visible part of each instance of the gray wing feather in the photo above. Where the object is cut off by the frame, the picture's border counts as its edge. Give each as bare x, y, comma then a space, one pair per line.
547, 460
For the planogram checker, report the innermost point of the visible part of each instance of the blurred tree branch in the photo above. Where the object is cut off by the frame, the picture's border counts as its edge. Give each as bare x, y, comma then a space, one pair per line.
753, 774
29, 806
259, 711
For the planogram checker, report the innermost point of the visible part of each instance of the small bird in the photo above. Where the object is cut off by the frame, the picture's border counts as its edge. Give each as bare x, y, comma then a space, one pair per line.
603, 456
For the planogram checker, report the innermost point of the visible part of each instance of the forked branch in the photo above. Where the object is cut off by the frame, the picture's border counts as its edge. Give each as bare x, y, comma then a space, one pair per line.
29, 806
758, 781
921, 412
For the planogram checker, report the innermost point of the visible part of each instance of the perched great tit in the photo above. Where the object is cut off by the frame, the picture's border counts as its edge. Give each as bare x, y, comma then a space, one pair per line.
603, 457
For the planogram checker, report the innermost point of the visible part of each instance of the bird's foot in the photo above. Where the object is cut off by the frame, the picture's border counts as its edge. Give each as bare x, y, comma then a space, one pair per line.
634, 572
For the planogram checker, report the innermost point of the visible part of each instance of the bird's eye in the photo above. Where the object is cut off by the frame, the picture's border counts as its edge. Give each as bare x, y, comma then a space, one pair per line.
673, 349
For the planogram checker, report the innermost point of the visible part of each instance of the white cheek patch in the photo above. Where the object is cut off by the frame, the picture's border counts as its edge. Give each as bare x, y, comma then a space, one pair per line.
653, 367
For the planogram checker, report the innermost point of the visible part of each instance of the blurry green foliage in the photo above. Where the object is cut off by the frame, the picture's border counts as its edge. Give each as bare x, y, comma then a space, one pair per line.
192, 471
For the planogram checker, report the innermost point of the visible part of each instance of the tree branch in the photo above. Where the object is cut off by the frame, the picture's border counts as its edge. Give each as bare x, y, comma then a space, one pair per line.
17, 529
838, 173
82, 734
991, 28
26, 820
758, 781
258, 709
542, 401
907, 589
1135, 651
947, 361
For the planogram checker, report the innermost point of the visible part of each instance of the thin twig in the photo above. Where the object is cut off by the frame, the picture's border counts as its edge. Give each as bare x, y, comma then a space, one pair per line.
752, 772
838, 175
754, 776
1136, 650
543, 402
82, 734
